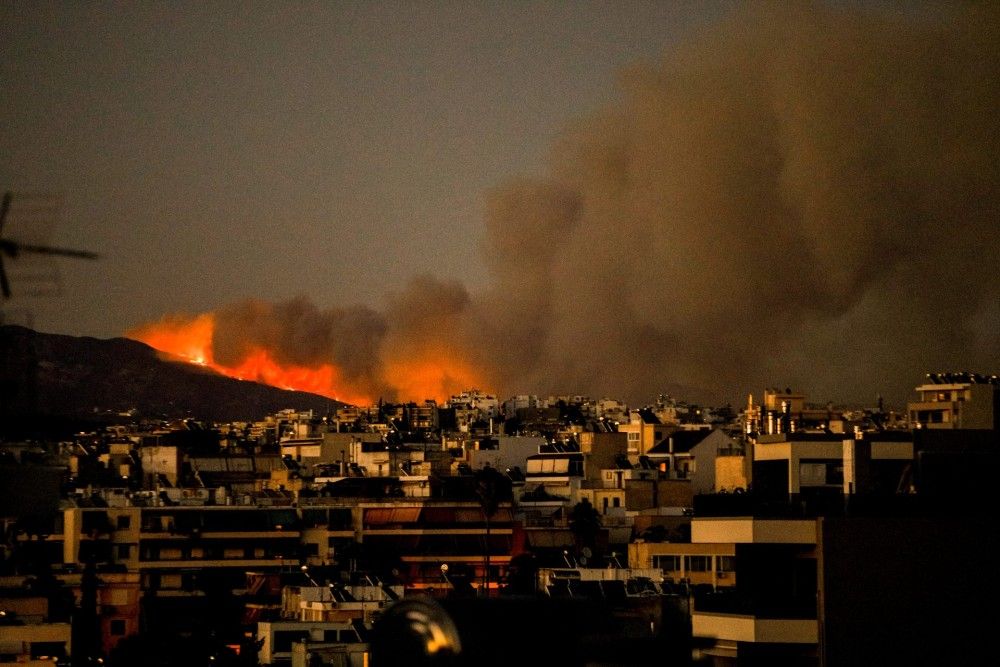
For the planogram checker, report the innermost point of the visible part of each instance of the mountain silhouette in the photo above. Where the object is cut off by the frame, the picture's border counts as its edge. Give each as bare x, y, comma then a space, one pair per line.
56, 376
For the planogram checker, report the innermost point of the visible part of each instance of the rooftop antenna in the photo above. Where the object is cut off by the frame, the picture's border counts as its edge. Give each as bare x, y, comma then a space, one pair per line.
12, 249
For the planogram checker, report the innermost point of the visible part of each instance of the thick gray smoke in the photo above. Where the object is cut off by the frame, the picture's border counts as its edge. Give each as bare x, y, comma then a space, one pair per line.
298, 333
804, 197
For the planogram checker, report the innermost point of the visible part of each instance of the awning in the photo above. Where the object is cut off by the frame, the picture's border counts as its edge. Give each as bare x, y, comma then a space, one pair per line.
379, 516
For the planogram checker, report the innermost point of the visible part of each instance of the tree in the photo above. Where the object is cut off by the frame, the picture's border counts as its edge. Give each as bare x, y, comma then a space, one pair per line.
489, 484
86, 626
585, 523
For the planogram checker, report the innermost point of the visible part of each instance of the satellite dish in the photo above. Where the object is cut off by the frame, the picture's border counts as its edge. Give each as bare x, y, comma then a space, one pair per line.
12, 249
587, 553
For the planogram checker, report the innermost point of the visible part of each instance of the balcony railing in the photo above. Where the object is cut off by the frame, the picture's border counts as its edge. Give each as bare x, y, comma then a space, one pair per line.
731, 602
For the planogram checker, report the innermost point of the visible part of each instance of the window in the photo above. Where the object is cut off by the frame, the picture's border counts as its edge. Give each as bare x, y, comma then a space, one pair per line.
95, 522
667, 563
835, 473
817, 473
283, 640
117, 627
616, 502
313, 517
557, 466
47, 649
124, 551
812, 474
725, 563
170, 553
124, 521
100, 552
341, 519
698, 563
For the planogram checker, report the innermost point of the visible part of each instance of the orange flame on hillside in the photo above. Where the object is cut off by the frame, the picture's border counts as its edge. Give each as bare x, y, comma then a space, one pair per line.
412, 370
190, 339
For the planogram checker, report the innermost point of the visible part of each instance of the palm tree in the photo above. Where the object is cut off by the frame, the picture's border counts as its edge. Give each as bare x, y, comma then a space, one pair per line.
488, 491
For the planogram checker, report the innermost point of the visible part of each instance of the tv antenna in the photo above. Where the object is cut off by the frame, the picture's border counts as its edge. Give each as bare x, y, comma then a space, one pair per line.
11, 249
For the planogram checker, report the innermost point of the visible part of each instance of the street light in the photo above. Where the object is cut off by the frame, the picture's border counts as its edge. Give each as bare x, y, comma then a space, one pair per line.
305, 571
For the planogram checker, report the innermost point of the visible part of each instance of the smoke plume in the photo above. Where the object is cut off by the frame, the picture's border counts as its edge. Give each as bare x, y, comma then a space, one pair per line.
801, 196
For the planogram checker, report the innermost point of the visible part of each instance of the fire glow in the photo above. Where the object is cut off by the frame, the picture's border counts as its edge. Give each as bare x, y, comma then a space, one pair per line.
190, 339
410, 368
437, 377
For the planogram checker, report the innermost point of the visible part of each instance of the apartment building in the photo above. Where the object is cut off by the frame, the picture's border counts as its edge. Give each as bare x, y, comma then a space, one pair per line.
816, 466
956, 401
29, 636
770, 614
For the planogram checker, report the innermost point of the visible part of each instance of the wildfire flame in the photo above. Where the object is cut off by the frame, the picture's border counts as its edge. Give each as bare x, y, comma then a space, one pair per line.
414, 371
190, 339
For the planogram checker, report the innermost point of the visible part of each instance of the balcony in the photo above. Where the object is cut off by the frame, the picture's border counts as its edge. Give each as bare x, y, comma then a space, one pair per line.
747, 628
201, 563
745, 530
730, 616
741, 628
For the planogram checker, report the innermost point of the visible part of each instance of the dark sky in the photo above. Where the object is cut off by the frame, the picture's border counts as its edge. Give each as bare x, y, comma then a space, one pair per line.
612, 198
217, 151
